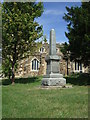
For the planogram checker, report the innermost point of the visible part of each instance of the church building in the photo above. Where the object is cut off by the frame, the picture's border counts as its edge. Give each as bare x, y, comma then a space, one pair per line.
35, 64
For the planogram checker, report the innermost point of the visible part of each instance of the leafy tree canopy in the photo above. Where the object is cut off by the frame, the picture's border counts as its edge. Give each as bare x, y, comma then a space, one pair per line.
20, 31
65, 50
78, 25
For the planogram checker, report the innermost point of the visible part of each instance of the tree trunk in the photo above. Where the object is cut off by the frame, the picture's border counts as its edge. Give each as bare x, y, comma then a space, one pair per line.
13, 75
89, 69
13, 65
9, 76
67, 66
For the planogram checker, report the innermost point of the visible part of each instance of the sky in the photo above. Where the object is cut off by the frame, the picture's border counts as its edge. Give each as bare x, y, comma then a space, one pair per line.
52, 18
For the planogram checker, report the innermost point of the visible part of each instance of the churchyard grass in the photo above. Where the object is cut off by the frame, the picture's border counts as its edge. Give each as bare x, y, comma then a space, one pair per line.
26, 99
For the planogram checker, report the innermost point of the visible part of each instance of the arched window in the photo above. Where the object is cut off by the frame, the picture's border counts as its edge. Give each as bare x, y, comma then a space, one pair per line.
35, 64
42, 49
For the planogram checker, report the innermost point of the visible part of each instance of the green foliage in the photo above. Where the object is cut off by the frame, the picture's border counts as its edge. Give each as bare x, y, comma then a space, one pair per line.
28, 80
20, 30
6, 68
78, 79
78, 19
66, 53
45, 38
65, 49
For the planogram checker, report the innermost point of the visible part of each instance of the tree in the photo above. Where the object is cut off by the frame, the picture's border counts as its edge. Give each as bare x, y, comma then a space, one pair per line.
45, 39
20, 32
66, 55
78, 19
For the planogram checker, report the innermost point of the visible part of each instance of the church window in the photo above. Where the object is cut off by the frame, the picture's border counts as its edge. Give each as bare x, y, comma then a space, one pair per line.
35, 64
42, 49
78, 66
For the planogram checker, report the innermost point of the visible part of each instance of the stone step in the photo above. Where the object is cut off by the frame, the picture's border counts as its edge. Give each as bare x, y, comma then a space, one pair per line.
54, 81
55, 75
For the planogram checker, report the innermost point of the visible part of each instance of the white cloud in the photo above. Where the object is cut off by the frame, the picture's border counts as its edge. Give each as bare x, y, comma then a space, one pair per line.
53, 12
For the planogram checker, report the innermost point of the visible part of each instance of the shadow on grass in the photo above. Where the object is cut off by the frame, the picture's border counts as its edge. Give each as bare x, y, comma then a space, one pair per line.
79, 79
22, 80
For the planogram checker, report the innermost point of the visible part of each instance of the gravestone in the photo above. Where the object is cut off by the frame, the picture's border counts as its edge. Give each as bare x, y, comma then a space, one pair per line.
53, 76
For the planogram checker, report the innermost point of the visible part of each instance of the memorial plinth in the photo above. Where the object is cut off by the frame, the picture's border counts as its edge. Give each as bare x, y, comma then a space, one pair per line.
53, 76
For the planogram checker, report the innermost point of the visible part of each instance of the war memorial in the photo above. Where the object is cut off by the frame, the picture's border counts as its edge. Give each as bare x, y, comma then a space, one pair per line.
53, 76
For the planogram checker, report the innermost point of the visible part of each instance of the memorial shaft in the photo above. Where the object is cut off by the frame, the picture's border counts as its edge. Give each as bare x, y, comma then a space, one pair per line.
52, 44
53, 76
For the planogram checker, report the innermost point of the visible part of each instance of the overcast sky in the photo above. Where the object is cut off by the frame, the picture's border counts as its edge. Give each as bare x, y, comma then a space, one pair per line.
52, 18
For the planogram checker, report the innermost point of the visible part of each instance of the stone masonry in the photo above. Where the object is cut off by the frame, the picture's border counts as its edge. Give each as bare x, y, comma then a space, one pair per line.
53, 76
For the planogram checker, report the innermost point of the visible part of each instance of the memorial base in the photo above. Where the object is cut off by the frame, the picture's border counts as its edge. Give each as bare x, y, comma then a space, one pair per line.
54, 80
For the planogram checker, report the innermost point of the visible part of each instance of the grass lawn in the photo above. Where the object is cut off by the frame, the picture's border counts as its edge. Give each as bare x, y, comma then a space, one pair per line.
25, 99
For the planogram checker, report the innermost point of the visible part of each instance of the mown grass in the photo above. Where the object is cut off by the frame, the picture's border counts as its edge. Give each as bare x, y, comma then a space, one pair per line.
26, 99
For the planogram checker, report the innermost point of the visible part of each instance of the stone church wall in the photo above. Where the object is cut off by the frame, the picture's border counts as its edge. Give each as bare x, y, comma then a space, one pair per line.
25, 65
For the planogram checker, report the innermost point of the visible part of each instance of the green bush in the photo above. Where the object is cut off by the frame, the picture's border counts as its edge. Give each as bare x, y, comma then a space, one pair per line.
23, 80
79, 79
